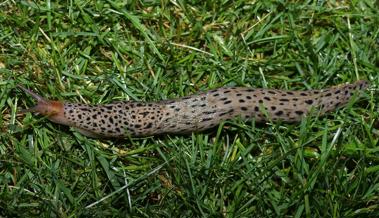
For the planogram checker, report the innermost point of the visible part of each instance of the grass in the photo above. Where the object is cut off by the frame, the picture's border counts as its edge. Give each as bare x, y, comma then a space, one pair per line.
99, 52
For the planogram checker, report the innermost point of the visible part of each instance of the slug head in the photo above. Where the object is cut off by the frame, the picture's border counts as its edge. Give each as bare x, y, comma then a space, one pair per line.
54, 110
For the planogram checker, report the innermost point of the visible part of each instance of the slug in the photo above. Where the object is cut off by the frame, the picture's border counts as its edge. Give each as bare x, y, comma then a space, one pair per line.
192, 113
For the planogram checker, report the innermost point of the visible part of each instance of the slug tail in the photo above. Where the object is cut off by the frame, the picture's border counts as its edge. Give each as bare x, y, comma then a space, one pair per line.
339, 96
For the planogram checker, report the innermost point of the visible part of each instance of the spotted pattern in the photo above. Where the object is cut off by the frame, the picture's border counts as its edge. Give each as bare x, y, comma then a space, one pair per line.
204, 110
119, 119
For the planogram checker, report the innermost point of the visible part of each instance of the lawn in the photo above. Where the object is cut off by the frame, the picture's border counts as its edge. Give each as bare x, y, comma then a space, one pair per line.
97, 52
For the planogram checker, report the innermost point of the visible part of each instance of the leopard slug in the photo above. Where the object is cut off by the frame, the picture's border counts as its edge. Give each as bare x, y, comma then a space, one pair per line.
192, 113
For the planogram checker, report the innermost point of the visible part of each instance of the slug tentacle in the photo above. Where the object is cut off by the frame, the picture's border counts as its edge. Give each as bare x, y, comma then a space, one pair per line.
52, 109
33, 94
195, 112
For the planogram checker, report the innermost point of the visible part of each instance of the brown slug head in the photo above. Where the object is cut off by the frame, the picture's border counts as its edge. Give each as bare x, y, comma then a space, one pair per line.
54, 110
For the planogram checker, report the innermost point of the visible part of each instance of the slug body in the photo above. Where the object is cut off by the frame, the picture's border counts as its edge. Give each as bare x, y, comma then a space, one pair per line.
195, 112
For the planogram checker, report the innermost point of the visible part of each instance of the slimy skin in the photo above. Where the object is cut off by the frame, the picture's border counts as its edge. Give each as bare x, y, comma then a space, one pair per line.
193, 113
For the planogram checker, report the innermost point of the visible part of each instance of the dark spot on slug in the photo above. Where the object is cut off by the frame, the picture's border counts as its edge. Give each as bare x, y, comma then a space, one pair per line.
248, 97
109, 107
148, 126
227, 91
267, 98
206, 119
279, 113
329, 94
284, 99
244, 108
209, 112
309, 101
144, 114
228, 102
228, 112
273, 108
299, 112
303, 94
241, 101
